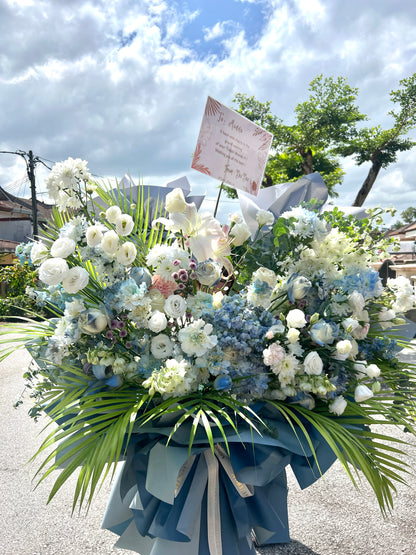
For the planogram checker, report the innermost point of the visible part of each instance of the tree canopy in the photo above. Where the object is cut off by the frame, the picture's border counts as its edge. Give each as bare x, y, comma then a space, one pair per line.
327, 128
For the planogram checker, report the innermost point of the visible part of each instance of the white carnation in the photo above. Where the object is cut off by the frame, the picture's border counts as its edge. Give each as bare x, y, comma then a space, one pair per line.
338, 405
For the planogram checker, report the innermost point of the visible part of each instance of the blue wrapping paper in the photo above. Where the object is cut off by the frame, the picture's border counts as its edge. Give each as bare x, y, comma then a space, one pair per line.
162, 502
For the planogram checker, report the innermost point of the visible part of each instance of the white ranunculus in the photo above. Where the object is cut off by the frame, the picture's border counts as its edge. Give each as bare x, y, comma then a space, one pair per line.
94, 235
362, 393
338, 405
157, 322
161, 346
39, 253
175, 201
175, 306
112, 214
124, 224
126, 254
53, 270
63, 247
264, 217
295, 318
110, 242
313, 364
92, 321
292, 335
75, 279
240, 233
373, 371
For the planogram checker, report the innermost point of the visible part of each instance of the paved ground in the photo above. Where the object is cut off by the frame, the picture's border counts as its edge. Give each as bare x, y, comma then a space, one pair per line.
329, 518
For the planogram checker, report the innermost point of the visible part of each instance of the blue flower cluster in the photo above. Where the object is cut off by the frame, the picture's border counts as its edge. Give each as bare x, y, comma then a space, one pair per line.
384, 348
240, 328
367, 282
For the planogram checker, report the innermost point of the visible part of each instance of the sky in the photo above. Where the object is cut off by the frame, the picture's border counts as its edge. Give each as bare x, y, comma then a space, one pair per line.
123, 83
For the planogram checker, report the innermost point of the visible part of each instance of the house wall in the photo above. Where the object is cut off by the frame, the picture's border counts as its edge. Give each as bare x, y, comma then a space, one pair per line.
17, 230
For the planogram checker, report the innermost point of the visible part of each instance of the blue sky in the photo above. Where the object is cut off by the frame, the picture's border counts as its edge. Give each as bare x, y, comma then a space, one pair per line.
124, 84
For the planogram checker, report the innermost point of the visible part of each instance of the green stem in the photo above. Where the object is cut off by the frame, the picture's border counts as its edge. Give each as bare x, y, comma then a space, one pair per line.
218, 199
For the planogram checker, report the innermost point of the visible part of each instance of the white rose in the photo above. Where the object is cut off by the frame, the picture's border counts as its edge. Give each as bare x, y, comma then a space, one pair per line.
235, 218
63, 247
240, 233
313, 364
94, 234
343, 347
157, 322
362, 393
292, 335
208, 272
338, 405
175, 306
264, 217
39, 253
175, 201
53, 270
112, 214
373, 371
296, 318
75, 279
161, 346
110, 242
124, 224
266, 275
127, 253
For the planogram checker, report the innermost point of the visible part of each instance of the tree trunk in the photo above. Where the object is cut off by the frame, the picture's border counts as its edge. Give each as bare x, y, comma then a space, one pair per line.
367, 185
307, 161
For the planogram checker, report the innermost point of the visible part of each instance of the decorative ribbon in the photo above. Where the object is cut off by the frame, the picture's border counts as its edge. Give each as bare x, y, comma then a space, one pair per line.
213, 491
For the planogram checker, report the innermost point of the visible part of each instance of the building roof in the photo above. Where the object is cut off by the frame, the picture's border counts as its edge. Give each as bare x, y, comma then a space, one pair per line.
21, 208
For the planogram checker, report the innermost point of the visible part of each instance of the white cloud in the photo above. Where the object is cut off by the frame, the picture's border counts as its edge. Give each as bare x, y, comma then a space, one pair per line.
121, 84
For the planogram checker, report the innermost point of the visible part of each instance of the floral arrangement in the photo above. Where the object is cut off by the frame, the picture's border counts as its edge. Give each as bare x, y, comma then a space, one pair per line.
206, 325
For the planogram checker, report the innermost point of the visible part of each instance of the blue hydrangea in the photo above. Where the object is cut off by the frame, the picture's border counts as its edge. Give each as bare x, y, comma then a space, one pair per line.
367, 282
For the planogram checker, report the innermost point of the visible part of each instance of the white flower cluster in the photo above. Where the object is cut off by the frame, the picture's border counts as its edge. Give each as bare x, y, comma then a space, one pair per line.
65, 183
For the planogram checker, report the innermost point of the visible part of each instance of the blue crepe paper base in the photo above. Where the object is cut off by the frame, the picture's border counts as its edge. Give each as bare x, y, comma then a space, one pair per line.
149, 519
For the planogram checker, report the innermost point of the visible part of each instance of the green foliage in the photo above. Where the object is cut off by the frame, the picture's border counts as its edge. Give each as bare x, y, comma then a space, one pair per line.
16, 303
326, 128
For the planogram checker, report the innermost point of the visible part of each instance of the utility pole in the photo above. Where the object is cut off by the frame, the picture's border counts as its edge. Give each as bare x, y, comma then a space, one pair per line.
31, 162
30, 165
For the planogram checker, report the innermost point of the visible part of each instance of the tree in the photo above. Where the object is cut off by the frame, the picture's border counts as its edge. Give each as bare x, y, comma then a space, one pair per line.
381, 146
325, 120
408, 215
326, 129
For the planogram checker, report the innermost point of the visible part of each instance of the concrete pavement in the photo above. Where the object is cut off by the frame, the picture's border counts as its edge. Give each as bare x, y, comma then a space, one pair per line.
329, 518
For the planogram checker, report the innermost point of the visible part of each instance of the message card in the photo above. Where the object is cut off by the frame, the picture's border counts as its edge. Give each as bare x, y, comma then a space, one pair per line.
231, 148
